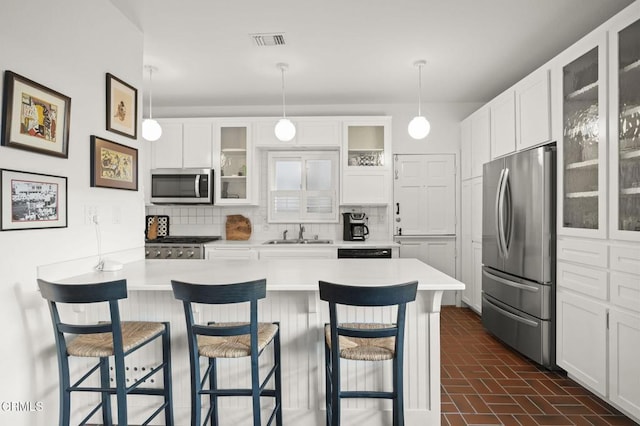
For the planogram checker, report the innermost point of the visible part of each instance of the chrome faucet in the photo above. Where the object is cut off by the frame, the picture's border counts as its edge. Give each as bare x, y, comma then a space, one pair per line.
284, 234
300, 236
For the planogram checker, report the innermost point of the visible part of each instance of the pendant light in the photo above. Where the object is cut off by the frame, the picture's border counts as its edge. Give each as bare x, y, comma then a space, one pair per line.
284, 130
151, 129
419, 126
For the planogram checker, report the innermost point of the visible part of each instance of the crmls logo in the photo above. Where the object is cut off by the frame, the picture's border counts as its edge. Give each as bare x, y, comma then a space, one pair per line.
21, 406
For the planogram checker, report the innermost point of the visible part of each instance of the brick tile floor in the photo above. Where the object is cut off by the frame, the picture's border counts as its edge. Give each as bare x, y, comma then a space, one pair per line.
486, 383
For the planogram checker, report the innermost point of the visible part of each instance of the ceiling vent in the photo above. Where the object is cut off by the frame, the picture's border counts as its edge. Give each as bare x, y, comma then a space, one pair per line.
272, 39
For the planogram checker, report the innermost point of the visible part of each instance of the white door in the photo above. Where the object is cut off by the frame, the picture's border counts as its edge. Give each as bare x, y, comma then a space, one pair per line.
624, 368
424, 191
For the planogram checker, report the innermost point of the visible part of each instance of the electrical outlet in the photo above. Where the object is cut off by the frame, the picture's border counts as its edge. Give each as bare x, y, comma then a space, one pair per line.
91, 215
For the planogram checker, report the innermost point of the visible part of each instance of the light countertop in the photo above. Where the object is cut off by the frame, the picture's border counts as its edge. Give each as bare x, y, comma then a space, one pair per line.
335, 244
281, 275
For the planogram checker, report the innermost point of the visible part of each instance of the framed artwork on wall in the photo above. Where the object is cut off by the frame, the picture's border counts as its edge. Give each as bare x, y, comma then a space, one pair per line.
113, 165
35, 117
122, 107
32, 200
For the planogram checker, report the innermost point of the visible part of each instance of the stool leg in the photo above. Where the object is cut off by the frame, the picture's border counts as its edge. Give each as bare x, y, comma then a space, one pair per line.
65, 394
335, 387
195, 390
327, 382
121, 395
255, 386
398, 387
278, 378
106, 397
213, 384
167, 379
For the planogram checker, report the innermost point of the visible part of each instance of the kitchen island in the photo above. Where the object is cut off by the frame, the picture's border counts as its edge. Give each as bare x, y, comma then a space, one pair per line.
292, 299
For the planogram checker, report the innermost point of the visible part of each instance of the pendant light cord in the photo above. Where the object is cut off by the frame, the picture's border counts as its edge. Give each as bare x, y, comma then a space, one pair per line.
150, 93
284, 115
419, 88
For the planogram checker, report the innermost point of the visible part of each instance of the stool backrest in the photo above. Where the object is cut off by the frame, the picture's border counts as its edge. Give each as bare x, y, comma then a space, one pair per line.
392, 295
110, 292
218, 294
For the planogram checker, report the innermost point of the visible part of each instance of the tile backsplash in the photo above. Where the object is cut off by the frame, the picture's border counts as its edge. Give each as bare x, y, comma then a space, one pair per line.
210, 220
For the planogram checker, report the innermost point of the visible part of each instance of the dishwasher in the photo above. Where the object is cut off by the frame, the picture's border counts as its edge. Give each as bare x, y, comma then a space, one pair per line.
364, 253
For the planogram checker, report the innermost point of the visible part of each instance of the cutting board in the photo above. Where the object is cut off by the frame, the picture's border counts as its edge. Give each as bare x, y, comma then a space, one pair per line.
238, 227
157, 226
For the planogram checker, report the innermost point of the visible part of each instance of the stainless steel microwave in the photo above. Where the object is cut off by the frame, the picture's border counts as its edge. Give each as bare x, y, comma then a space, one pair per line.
182, 186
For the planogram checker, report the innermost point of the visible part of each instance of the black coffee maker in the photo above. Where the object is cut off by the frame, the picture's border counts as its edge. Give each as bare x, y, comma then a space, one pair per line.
355, 228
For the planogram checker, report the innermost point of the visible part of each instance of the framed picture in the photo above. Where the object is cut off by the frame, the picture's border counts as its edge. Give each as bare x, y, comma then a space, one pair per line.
122, 107
35, 118
32, 200
113, 165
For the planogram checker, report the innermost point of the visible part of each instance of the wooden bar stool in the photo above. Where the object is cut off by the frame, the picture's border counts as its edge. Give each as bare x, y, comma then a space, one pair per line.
364, 341
105, 340
229, 340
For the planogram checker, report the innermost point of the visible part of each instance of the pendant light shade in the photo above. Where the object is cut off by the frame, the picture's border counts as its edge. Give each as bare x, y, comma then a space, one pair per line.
419, 126
151, 129
285, 130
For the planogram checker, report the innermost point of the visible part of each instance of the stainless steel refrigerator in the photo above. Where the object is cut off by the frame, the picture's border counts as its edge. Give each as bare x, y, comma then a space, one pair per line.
518, 252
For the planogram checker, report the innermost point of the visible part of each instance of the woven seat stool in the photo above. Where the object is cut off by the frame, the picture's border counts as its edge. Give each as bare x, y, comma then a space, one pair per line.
229, 340
107, 340
364, 342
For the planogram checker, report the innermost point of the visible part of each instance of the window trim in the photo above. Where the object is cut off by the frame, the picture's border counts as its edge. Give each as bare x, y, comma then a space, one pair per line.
303, 216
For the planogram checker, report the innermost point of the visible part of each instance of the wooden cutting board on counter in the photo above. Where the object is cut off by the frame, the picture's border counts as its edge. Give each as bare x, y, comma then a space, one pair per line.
238, 227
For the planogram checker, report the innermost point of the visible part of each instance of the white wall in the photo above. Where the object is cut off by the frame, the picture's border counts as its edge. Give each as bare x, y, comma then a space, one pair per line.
67, 46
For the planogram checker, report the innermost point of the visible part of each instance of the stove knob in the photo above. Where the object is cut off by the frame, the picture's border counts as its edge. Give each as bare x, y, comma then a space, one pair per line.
158, 253
147, 253
180, 253
168, 253
190, 253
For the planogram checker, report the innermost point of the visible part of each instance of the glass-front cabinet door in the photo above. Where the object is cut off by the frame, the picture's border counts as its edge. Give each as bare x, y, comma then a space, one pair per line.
582, 151
625, 130
235, 169
366, 144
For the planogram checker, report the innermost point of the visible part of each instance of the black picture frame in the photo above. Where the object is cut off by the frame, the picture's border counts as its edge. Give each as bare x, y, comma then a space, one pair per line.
32, 200
35, 117
122, 107
113, 165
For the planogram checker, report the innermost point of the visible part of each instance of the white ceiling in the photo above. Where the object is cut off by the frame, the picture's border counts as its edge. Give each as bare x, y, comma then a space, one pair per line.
352, 51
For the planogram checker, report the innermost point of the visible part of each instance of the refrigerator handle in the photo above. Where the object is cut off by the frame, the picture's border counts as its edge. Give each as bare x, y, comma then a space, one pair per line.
501, 218
497, 214
506, 222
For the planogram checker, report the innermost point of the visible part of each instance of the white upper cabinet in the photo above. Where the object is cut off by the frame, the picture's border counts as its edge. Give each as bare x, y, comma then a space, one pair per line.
582, 147
311, 132
533, 110
424, 191
480, 140
183, 144
366, 161
236, 169
465, 149
624, 126
503, 124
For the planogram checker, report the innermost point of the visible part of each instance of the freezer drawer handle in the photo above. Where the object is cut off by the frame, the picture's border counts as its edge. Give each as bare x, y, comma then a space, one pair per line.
525, 287
510, 315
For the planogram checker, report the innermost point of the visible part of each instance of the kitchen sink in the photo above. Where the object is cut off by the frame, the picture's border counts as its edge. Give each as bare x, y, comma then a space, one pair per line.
305, 241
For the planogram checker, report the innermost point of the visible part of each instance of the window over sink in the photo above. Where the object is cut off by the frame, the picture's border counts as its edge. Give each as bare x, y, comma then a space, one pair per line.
303, 186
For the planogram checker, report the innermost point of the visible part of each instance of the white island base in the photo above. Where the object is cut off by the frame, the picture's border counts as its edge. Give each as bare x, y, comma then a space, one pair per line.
292, 299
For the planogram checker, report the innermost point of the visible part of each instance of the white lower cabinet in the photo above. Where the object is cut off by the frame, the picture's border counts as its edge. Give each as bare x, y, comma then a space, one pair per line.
472, 276
581, 330
624, 367
598, 319
299, 253
246, 253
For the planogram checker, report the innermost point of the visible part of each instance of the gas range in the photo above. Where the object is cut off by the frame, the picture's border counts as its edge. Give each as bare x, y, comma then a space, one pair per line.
177, 247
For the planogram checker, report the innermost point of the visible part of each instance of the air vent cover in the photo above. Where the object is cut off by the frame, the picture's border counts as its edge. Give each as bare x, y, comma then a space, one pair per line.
268, 39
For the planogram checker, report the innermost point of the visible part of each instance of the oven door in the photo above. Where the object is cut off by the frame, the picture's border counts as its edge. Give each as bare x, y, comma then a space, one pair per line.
182, 186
